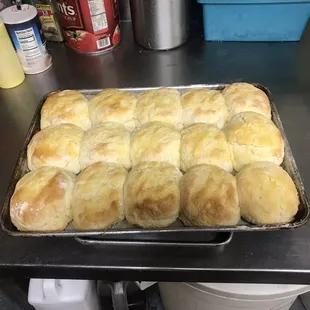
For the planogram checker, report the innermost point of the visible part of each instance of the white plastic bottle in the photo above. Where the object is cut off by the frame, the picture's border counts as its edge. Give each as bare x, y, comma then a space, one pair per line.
11, 71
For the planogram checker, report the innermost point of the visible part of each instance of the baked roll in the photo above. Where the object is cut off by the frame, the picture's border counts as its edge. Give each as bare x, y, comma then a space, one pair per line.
209, 197
42, 199
156, 141
204, 144
267, 194
97, 201
162, 105
204, 106
113, 105
244, 97
108, 142
56, 146
252, 137
68, 106
152, 194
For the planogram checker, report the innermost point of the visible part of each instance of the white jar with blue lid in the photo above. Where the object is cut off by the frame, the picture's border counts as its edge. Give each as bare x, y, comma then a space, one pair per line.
23, 26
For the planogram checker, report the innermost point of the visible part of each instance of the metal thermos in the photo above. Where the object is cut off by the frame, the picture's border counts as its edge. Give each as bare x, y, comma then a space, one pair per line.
160, 24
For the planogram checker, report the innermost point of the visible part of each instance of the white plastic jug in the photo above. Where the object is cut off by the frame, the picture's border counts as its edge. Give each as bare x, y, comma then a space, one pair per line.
53, 294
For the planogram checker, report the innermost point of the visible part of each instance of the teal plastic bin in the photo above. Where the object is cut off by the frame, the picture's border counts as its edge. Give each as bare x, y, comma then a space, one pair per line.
256, 20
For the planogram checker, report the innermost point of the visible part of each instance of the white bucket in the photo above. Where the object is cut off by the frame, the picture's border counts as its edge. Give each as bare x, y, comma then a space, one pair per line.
220, 296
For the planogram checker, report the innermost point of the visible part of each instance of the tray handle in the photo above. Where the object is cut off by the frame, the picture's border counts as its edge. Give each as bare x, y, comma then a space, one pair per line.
222, 239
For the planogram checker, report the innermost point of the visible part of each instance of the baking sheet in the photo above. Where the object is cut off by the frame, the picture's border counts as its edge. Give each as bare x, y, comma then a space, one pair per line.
176, 232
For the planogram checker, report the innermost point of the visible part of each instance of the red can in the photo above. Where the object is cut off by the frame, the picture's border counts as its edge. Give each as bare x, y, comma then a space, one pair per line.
89, 26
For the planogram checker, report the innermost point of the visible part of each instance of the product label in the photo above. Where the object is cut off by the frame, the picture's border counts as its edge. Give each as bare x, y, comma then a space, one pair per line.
49, 26
44, 9
70, 15
46, 16
89, 25
98, 15
30, 46
102, 43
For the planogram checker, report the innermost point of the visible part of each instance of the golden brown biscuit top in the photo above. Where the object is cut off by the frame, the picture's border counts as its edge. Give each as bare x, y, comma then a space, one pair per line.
205, 106
112, 105
151, 186
40, 189
204, 144
68, 106
106, 142
55, 144
65, 135
242, 97
156, 141
113, 99
209, 195
262, 171
150, 174
91, 179
163, 105
268, 189
110, 131
207, 179
97, 201
196, 133
250, 128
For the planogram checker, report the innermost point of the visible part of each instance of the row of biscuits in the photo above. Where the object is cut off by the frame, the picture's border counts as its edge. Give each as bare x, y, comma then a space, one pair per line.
152, 195
246, 138
197, 105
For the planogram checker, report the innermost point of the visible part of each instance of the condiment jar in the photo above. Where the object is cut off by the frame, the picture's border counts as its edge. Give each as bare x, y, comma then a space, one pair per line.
11, 71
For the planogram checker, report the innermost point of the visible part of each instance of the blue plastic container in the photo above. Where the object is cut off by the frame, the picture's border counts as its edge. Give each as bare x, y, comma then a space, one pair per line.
256, 20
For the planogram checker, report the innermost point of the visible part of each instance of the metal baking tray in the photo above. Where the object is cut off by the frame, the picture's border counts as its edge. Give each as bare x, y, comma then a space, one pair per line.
175, 233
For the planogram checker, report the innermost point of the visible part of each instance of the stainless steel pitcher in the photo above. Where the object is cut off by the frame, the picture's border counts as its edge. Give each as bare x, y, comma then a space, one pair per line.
160, 24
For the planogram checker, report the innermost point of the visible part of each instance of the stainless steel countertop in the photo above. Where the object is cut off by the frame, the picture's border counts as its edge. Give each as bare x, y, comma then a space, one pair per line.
269, 257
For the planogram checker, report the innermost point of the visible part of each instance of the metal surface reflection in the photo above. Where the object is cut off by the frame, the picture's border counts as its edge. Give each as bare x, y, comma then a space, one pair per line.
278, 257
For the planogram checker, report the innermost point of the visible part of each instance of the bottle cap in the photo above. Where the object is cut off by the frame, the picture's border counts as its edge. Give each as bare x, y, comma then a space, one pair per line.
12, 15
